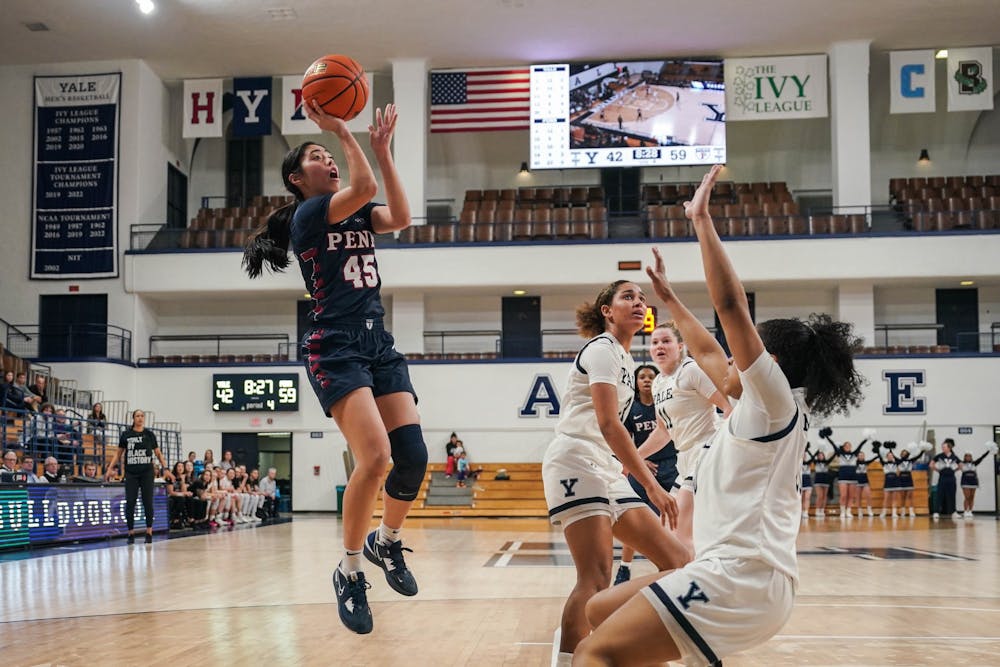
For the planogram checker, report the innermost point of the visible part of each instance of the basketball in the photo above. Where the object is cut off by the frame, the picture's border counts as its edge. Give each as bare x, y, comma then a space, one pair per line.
338, 84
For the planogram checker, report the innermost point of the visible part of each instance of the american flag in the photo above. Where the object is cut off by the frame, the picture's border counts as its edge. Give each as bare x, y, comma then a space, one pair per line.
480, 100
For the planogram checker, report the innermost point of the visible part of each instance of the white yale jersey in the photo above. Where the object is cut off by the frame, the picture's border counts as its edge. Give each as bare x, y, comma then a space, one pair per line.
682, 403
747, 503
601, 360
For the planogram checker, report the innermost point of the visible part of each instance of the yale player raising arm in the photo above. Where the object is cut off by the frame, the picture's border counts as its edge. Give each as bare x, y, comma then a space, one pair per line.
361, 381
740, 588
585, 490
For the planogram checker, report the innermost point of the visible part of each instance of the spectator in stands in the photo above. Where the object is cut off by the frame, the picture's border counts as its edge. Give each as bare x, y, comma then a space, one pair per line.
43, 431
51, 472
189, 474
269, 487
40, 387
230, 501
89, 475
12, 397
202, 501
9, 461
227, 460
67, 436
178, 496
28, 467
253, 486
31, 400
449, 448
97, 421
209, 459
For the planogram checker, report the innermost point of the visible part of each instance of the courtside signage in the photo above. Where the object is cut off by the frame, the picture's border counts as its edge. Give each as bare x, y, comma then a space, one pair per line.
776, 88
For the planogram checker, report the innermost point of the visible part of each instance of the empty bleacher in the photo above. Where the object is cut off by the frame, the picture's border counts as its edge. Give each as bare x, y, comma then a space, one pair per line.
228, 227
943, 203
520, 496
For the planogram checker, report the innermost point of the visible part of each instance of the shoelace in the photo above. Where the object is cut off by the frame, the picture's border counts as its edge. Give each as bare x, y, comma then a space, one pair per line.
395, 551
356, 590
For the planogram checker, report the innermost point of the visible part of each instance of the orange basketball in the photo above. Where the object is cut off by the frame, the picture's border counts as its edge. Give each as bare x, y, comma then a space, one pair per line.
338, 84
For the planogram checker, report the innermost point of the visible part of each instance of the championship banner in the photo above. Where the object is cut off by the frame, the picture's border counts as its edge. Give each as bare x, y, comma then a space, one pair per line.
294, 119
252, 107
202, 108
74, 209
970, 79
911, 81
776, 88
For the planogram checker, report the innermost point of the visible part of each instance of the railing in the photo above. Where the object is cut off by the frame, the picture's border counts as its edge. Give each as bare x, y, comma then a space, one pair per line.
494, 344
76, 441
909, 326
10, 330
193, 348
104, 341
983, 342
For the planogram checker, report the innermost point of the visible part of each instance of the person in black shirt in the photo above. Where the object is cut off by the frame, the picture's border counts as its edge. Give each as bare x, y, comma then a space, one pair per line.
360, 379
138, 446
946, 463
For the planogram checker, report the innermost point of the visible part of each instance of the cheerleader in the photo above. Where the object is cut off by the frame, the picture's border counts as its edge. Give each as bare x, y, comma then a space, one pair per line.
821, 480
891, 470
970, 478
807, 482
906, 475
847, 460
862, 490
946, 463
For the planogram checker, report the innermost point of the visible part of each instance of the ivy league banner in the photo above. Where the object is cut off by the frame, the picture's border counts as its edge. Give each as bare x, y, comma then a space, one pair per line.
776, 88
74, 209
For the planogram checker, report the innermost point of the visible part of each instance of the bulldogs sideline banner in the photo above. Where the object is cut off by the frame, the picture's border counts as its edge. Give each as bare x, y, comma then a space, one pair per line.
75, 196
776, 88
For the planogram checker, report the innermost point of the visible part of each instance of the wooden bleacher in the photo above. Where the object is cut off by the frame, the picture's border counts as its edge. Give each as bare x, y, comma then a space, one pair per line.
520, 496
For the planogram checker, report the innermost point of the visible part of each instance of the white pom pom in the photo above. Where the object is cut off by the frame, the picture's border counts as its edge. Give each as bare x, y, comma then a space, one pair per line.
925, 446
868, 433
912, 447
992, 447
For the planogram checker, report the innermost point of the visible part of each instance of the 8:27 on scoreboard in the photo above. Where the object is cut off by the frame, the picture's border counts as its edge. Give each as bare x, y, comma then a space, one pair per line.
267, 392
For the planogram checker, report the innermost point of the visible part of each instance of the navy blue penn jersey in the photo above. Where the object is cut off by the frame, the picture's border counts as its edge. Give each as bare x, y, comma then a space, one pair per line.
641, 421
337, 262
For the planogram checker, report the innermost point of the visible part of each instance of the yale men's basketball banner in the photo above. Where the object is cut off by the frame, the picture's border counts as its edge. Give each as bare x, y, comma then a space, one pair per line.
775, 88
911, 81
970, 79
75, 204
252, 107
294, 119
202, 108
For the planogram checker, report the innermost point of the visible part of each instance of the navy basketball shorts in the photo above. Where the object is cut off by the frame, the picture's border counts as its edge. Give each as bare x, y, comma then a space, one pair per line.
351, 356
666, 482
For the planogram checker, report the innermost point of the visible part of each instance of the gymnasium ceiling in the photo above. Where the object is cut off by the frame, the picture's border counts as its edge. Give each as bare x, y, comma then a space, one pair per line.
202, 38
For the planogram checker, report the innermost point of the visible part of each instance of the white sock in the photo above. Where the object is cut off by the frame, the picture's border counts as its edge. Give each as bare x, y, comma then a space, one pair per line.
564, 659
351, 562
625, 563
387, 535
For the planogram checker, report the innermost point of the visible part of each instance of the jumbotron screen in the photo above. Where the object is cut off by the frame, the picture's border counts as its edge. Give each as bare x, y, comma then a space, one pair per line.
628, 114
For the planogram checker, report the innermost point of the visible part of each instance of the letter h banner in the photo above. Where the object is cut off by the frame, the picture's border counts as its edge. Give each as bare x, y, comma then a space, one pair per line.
202, 108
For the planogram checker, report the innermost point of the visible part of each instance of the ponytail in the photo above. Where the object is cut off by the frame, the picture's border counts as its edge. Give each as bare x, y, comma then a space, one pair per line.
590, 320
268, 244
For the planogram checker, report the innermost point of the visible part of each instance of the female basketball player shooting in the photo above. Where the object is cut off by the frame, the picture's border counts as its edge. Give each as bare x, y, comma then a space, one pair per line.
360, 380
739, 589
585, 490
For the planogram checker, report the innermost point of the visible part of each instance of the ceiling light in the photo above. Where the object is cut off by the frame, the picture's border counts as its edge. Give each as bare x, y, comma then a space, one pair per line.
145, 6
519, 292
967, 283
942, 54
36, 26
924, 157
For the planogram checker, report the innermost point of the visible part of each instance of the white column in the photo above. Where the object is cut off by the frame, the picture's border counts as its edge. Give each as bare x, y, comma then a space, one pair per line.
856, 304
409, 93
849, 124
408, 321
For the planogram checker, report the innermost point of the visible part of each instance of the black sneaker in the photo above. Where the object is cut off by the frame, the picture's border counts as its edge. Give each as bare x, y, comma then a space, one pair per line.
352, 601
131, 539
624, 574
149, 538
390, 558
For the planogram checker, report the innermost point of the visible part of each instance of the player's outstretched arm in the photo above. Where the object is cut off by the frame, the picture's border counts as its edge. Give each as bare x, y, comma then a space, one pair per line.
724, 286
363, 184
396, 214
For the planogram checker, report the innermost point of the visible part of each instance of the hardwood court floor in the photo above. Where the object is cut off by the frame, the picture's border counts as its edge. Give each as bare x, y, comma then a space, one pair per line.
873, 592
